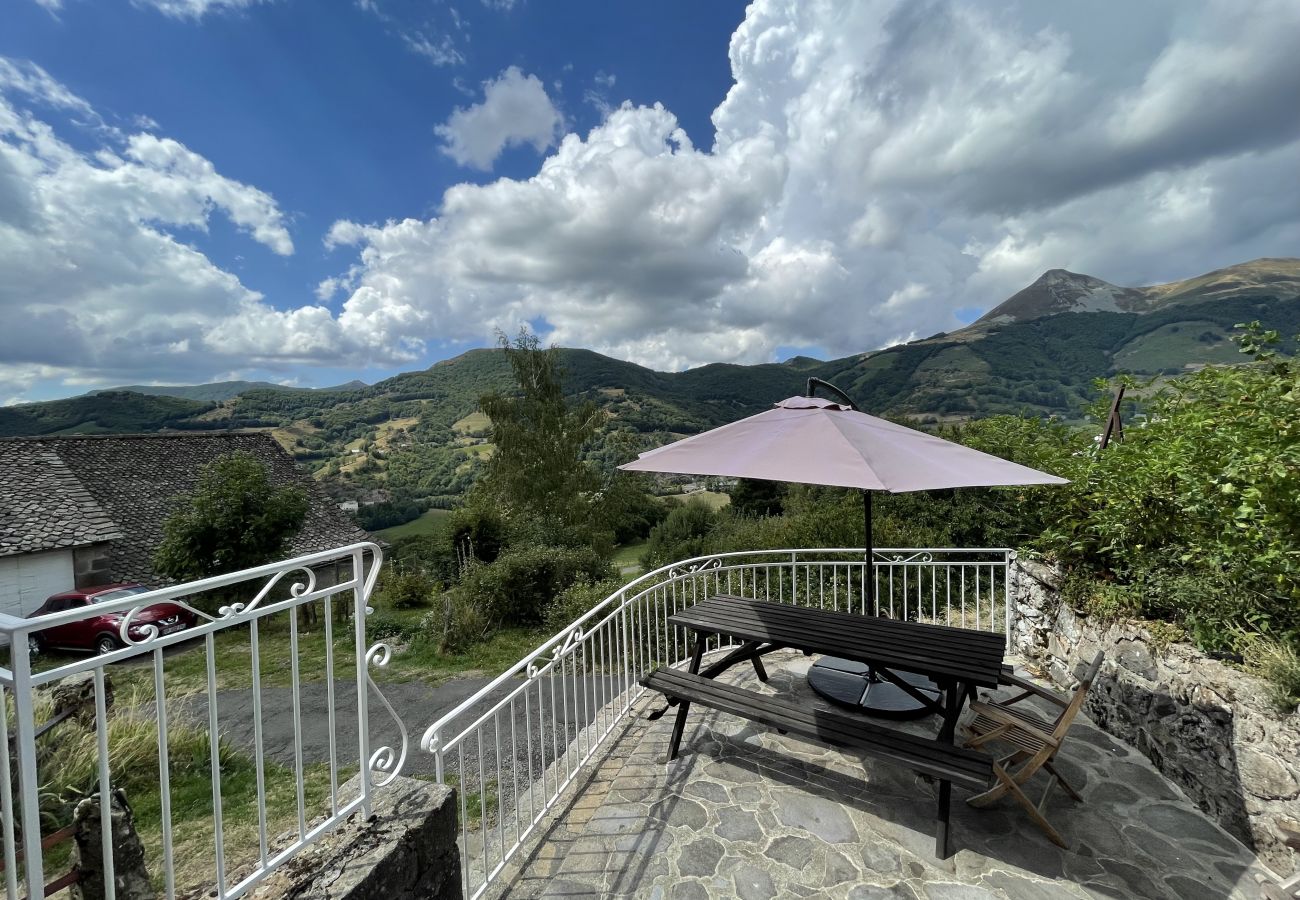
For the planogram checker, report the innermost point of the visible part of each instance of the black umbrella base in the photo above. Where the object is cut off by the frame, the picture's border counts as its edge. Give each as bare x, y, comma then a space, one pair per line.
854, 684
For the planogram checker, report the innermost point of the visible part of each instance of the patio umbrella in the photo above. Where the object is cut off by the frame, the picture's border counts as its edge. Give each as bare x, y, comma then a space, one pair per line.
809, 440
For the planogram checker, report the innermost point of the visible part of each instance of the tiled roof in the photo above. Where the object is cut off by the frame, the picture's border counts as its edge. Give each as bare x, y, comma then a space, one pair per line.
43, 506
138, 479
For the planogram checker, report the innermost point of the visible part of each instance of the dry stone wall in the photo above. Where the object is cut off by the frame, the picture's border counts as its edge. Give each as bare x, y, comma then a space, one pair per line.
405, 849
1206, 725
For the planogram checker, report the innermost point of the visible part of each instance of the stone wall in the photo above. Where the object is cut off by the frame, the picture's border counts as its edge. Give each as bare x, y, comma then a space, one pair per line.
407, 848
1204, 724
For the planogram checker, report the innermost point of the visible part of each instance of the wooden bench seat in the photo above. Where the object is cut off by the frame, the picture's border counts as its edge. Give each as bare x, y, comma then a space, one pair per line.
937, 759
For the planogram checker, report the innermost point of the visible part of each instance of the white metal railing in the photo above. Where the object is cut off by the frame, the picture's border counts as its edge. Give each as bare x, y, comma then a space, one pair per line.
514, 746
245, 622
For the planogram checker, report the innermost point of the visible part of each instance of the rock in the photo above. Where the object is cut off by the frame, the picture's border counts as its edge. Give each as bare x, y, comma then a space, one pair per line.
818, 816
1266, 776
1204, 725
406, 849
700, 857
76, 695
130, 876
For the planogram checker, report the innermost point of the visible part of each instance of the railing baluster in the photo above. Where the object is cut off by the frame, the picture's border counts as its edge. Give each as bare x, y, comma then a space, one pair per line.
105, 786
331, 713
7, 802
214, 758
301, 795
255, 658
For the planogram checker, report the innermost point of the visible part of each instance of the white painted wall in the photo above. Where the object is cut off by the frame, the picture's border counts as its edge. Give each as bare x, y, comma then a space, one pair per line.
26, 580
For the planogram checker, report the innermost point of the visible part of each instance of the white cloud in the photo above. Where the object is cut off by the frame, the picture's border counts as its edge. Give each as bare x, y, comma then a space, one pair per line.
442, 52
515, 110
876, 166
25, 77
195, 9
101, 279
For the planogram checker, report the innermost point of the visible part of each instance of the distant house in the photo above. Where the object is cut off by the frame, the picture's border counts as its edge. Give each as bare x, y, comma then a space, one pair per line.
350, 506
86, 510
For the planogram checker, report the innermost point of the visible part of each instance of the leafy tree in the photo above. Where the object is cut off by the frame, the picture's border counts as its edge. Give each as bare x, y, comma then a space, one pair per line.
682, 535
537, 478
236, 518
751, 497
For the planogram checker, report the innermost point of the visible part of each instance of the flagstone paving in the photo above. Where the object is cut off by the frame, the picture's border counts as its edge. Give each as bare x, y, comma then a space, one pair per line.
745, 812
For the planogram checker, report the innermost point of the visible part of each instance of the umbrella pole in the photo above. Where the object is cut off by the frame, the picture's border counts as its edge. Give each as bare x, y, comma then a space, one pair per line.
870, 572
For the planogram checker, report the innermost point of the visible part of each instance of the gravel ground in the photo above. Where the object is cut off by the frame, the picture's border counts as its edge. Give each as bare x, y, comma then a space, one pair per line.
550, 703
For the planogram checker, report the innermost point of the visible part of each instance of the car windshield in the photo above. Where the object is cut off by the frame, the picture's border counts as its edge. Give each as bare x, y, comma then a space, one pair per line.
118, 594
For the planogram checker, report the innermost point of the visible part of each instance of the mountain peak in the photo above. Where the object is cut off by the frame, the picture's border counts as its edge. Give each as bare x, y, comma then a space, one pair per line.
1062, 291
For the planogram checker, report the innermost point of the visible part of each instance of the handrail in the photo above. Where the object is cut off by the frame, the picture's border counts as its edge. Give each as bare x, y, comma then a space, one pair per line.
520, 741
880, 553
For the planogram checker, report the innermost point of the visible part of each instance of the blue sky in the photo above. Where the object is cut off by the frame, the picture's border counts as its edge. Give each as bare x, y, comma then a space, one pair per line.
311, 192
328, 109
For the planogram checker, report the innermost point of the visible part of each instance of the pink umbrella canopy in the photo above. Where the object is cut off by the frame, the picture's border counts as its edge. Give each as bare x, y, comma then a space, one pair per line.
809, 440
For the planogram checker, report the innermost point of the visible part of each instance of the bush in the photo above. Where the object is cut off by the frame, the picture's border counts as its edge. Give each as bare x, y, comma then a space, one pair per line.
681, 535
405, 590
383, 626
575, 600
1277, 663
517, 588
457, 625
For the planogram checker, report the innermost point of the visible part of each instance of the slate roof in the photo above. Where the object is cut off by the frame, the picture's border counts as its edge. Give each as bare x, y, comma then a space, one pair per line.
135, 481
43, 506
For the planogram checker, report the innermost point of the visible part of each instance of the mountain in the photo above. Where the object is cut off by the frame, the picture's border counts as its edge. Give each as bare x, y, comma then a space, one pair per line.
1058, 291
1040, 351
109, 412
418, 436
218, 391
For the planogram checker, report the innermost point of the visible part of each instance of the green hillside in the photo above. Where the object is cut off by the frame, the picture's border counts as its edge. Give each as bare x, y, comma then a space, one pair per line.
413, 438
109, 412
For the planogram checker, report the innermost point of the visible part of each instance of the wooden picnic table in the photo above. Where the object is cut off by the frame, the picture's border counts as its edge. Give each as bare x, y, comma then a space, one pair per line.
957, 660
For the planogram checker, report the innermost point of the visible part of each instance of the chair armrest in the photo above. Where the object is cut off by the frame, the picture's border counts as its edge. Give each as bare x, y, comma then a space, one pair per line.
1030, 688
1001, 716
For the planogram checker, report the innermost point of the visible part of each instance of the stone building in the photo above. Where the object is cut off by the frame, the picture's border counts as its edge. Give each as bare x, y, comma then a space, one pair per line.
85, 510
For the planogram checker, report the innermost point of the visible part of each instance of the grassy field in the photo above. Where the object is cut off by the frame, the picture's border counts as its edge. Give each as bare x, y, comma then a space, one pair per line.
714, 499
628, 556
428, 523
475, 422
413, 657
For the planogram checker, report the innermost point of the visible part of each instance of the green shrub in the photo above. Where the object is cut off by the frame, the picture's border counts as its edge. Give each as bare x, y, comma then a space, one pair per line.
681, 535
405, 590
1278, 664
457, 624
575, 600
517, 588
382, 625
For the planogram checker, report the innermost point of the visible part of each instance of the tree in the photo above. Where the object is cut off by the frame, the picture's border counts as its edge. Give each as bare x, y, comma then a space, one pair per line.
536, 477
236, 518
751, 497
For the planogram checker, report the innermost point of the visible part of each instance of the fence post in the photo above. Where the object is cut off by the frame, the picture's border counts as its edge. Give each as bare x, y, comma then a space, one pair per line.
1011, 571
363, 718
25, 739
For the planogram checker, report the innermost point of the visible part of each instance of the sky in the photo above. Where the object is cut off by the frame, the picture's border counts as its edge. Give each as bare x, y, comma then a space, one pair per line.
311, 191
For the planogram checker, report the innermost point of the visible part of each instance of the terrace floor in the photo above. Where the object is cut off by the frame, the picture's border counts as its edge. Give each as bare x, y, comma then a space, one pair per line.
745, 812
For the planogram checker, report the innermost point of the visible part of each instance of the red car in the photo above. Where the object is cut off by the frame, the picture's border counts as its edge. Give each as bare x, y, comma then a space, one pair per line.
100, 633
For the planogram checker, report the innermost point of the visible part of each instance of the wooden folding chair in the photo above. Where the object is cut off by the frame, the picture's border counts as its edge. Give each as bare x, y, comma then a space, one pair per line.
1035, 739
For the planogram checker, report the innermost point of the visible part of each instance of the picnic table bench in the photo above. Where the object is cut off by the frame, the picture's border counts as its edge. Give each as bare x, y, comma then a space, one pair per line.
957, 660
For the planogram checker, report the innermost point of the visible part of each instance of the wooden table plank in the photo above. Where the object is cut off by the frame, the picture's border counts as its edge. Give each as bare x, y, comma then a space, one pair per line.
939, 651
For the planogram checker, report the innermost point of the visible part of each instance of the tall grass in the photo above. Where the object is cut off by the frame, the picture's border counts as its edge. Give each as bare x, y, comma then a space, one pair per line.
68, 763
